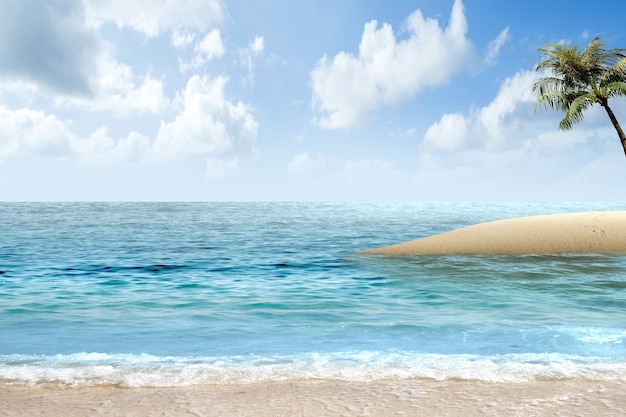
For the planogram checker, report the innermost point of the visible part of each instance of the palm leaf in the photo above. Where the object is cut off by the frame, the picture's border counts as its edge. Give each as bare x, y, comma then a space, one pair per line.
576, 110
615, 89
579, 78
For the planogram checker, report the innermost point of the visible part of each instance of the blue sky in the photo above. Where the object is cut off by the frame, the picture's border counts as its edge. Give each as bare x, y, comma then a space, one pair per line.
325, 100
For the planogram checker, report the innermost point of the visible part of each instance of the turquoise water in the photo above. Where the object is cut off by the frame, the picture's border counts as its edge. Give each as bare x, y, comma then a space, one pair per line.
170, 294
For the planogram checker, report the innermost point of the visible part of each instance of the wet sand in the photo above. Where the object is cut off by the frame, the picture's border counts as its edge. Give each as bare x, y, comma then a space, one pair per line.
326, 398
590, 232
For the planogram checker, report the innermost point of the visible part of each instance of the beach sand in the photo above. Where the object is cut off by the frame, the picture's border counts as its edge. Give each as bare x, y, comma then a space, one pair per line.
589, 232
326, 398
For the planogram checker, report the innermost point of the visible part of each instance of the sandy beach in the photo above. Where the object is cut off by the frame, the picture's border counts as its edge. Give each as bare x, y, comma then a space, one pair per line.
589, 232
326, 398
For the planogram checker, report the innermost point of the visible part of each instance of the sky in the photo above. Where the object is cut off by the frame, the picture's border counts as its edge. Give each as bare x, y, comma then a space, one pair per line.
307, 100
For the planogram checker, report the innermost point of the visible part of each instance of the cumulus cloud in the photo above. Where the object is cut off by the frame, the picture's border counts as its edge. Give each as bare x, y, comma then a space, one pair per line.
208, 124
118, 89
181, 37
504, 123
47, 44
153, 17
100, 149
449, 133
509, 123
506, 145
55, 51
51, 50
30, 132
206, 49
210, 46
511, 113
348, 89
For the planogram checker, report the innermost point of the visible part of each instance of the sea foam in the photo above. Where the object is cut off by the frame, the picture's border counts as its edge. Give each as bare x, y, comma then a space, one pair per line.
94, 369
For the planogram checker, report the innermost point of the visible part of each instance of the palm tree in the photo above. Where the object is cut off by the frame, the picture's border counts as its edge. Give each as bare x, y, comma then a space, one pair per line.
578, 79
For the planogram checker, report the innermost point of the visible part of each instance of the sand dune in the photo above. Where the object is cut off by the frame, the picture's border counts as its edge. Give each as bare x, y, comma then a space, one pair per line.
589, 232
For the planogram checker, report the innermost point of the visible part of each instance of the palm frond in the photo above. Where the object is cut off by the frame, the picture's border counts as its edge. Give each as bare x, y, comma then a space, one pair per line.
556, 93
578, 79
616, 73
576, 110
547, 85
615, 89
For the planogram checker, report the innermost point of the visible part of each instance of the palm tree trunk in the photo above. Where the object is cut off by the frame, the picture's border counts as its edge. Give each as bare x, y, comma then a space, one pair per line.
620, 132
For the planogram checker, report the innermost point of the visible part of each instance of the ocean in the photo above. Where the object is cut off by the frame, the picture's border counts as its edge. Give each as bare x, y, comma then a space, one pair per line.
192, 294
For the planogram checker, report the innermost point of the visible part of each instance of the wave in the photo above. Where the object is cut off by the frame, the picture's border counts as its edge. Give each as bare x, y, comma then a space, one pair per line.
130, 370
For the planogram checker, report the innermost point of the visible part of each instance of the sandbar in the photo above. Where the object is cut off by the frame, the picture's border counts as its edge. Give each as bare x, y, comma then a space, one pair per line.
322, 398
581, 232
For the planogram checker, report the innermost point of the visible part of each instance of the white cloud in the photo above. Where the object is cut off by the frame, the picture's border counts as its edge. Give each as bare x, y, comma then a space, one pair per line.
100, 149
507, 145
210, 46
495, 45
510, 116
349, 89
505, 123
181, 37
74, 66
152, 17
146, 97
208, 123
246, 57
256, 46
117, 89
450, 133
206, 49
48, 46
304, 163
30, 132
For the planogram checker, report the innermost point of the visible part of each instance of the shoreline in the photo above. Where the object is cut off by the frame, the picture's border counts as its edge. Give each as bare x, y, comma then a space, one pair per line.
326, 398
583, 232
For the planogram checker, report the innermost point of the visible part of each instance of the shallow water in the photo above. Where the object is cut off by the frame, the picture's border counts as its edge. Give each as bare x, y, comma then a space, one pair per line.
175, 294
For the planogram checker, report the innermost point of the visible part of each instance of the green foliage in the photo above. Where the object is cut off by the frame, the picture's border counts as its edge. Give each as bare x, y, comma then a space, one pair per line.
579, 78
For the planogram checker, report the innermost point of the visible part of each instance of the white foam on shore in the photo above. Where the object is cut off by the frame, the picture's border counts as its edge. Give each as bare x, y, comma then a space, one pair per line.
99, 369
